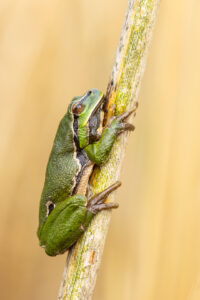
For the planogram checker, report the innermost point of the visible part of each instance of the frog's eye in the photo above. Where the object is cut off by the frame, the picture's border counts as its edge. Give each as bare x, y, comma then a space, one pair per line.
50, 206
78, 108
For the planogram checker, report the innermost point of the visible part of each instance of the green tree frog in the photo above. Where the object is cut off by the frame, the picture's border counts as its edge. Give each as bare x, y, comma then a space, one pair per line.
80, 143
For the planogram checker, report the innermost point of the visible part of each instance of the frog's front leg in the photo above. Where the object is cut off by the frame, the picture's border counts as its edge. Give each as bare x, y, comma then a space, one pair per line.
99, 151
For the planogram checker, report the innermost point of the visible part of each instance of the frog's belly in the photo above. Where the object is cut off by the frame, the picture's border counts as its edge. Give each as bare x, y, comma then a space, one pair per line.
81, 187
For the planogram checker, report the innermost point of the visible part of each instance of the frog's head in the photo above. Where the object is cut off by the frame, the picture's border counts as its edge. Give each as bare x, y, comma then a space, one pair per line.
88, 117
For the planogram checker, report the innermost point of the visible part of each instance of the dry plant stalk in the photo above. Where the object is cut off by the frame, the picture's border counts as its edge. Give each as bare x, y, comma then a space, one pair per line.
84, 258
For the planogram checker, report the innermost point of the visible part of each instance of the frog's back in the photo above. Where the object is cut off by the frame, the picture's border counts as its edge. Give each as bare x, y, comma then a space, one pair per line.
62, 166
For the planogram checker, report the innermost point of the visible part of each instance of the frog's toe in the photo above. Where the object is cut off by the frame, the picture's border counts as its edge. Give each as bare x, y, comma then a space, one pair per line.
102, 206
126, 127
127, 113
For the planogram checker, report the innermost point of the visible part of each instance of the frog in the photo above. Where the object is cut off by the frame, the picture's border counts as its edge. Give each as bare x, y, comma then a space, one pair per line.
67, 204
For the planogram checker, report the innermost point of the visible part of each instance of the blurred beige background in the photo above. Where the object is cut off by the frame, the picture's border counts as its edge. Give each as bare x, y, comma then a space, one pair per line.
51, 51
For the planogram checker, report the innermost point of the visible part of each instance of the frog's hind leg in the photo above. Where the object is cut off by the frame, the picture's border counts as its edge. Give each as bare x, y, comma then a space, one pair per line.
96, 203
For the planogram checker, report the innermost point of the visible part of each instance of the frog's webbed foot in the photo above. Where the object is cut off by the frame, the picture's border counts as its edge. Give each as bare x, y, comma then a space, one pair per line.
96, 203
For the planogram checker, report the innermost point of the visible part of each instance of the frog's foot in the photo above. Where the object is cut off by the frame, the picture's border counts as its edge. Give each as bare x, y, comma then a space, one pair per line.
124, 126
96, 203
127, 126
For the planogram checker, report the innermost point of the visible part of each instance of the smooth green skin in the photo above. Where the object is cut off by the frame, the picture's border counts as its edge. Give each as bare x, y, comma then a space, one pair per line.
67, 221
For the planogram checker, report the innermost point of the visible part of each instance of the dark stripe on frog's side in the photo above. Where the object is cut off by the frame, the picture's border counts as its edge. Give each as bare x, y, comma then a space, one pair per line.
94, 123
92, 136
81, 156
75, 129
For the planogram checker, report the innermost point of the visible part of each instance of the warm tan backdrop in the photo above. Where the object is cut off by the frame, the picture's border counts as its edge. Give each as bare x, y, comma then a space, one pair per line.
53, 50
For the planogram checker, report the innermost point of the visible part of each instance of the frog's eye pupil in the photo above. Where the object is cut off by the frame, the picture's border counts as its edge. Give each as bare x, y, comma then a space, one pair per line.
78, 108
89, 93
